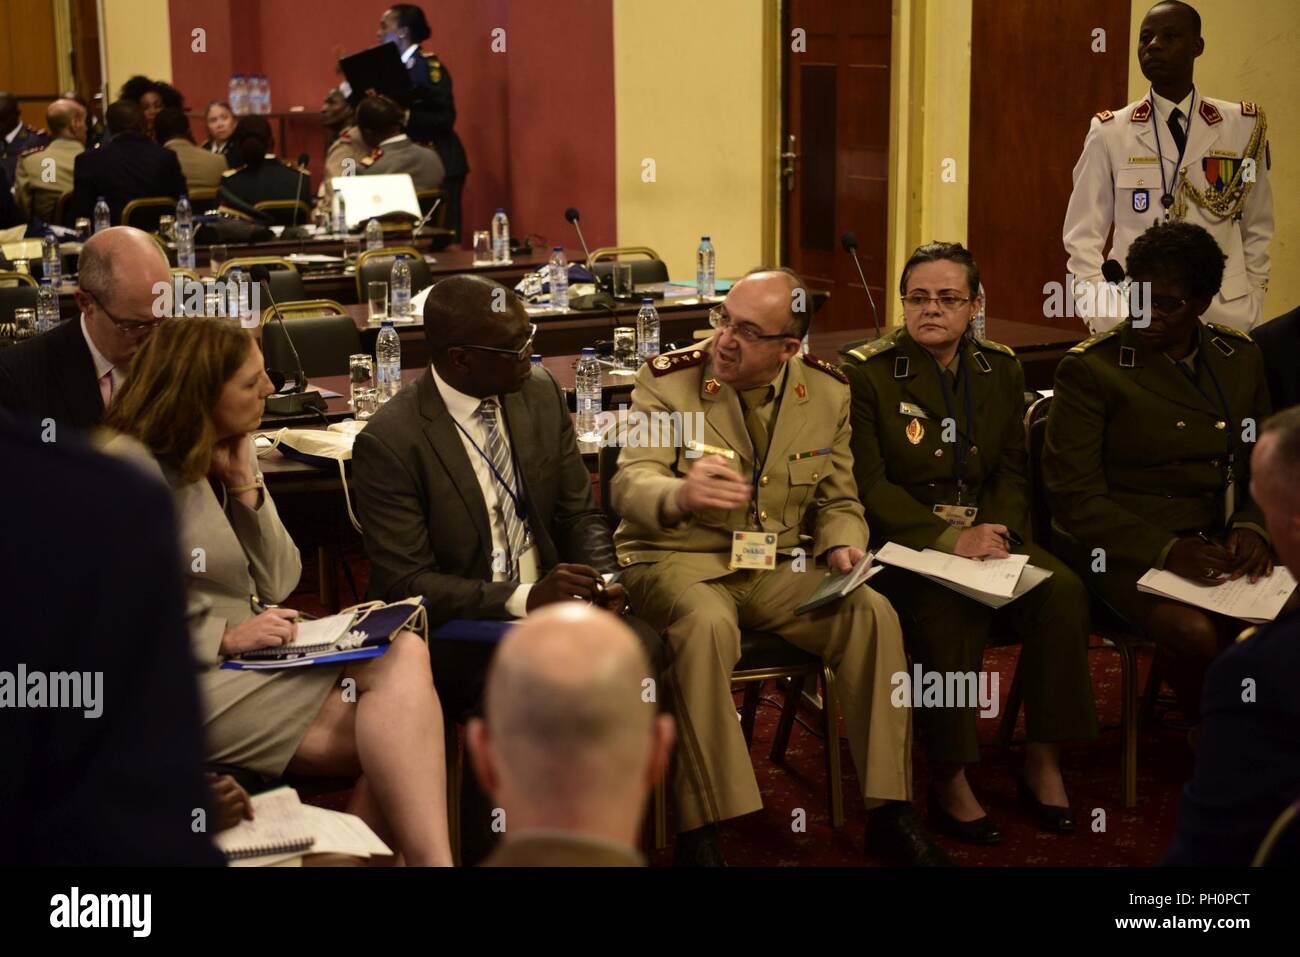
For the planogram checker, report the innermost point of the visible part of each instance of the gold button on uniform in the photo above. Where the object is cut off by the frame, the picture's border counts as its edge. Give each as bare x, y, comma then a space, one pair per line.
627, 560
763, 481
974, 449
1180, 424
938, 453
763, 515
816, 476
1220, 425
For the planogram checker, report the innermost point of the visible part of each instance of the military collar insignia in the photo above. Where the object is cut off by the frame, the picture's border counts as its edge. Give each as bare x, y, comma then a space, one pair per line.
672, 361
712, 386
982, 361
912, 409
915, 432
902, 367
1210, 113
1249, 109
1142, 112
1127, 357
801, 390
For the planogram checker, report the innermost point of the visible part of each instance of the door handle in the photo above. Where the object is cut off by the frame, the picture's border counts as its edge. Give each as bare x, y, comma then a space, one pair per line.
787, 162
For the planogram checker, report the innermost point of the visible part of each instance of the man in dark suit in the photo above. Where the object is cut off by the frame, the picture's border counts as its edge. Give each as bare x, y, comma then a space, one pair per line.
131, 166
471, 491
1248, 755
70, 373
110, 773
1279, 341
16, 137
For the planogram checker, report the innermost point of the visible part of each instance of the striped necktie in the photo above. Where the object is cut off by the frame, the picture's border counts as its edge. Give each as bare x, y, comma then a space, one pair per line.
498, 451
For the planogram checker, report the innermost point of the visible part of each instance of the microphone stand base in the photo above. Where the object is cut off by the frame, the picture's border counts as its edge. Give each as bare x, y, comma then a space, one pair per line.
595, 300
295, 403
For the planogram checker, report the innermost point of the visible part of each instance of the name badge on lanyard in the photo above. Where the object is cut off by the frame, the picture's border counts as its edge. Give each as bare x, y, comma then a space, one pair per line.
755, 551
958, 516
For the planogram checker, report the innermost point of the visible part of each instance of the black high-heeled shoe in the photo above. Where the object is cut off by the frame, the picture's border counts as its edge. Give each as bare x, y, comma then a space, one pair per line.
981, 831
1049, 817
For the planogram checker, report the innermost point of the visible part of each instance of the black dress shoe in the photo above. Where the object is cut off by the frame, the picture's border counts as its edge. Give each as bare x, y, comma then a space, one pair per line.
1057, 820
982, 830
698, 848
895, 833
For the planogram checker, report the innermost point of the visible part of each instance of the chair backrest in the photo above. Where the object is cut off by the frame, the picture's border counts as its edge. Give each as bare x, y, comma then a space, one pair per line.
643, 270
20, 279
622, 252
607, 465
246, 263
305, 309
324, 344
376, 265
63, 209
1040, 510
426, 198
21, 296
203, 200
281, 211
282, 277
145, 212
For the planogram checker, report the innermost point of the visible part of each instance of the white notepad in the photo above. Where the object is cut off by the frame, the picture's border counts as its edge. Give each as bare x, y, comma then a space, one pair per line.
278, 827
1257, 603
994, 576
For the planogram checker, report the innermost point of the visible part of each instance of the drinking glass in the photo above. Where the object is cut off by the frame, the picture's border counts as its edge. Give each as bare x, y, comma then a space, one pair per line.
217, 254
625, 347
351, 248
378, 300
623, 285
365, 403
361, 377
24, 323
482, 247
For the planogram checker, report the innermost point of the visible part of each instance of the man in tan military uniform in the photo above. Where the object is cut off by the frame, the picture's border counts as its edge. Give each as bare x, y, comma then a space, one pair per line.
45, 173
345, 153
783, 420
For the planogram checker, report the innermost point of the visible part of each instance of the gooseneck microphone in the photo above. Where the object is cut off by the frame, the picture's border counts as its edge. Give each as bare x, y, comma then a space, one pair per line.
850, 243
298, 401
1112, 271
598, 299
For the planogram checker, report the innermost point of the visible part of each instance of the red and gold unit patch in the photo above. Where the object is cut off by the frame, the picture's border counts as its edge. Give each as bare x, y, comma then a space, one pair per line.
1141, 112
1210, 113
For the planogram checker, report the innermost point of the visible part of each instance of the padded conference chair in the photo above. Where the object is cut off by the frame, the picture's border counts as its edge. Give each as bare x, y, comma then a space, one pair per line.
376, 265
282, 276
203, 200
763, 656
144, 213
647, 268
285, 212
324, 343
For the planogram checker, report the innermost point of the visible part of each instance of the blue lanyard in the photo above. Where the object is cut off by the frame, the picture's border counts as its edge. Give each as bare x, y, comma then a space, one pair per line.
516, 498
1167, 195
959, 453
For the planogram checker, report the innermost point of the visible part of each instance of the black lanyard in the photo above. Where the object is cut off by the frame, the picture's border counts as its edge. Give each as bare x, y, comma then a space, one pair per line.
959, 453
516, 497
1167, 195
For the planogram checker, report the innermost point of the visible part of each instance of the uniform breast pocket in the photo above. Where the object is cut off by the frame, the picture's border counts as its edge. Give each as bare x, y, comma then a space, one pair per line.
804, 475
1137, 188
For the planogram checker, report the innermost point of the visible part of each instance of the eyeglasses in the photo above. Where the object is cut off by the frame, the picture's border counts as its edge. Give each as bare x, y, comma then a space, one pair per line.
947, 303
128, 327
744, 331
518, 355
1167, 305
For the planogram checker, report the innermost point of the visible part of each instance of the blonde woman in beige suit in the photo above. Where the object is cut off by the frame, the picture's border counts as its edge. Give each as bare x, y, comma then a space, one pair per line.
196, 390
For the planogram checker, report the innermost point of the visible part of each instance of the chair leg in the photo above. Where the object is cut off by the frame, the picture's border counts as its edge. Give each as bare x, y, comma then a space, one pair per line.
1129, 720
1154, 679
834, 779
1007, 730
327, 558
451, 743
748, 711
793, 694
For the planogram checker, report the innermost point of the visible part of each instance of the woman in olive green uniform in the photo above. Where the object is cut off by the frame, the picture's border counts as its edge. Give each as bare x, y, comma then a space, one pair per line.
939, 456
1147, 461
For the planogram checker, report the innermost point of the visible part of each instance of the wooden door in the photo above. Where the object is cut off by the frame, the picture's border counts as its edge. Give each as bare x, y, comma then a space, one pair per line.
29, 65
836, 137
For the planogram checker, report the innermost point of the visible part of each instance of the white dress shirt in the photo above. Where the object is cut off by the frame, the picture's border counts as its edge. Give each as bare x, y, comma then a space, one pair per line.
464, 411
1165, 107
102, 364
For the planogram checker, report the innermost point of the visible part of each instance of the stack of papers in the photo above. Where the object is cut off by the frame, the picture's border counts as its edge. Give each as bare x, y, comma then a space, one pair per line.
1257, 603
835, 587
994, 581
283, 829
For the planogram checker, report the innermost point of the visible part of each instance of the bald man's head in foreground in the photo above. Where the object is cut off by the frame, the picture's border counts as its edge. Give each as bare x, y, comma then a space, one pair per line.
571, 739
118, 277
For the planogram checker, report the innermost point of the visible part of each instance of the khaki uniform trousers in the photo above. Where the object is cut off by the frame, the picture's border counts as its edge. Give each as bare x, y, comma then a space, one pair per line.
858, 637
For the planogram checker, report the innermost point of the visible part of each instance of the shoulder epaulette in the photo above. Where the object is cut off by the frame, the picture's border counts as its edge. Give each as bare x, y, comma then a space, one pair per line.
1091, 341
676, 361
1141, 113
996, 347
1248, 108
374, 155
1229, 331
231, 172
1105, 116
1210, 113
34, 149
815, 362
874, 348
38, 130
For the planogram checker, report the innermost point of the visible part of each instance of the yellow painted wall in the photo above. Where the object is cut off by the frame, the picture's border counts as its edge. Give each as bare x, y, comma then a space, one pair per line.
1252, 49
694, 91
136, 39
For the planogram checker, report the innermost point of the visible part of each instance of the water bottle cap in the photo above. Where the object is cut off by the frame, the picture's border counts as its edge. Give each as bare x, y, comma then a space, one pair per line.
535, 357
647, 301
588, 350
557, 249
704, 239
500, 210
45, 282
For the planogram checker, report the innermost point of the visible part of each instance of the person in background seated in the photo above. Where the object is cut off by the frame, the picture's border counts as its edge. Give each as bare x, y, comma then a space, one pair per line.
1279, 343
115, 779
34, 191
569, 748
202, 169
196, 391
71, 373
347, 149
906, 386
1248, 755
380, 121
16, 137
220, 119
131, 166
260, 176
146, 94
1147, 456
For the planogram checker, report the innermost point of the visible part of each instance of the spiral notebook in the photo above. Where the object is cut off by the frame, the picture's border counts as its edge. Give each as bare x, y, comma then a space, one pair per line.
359, 632
279, 826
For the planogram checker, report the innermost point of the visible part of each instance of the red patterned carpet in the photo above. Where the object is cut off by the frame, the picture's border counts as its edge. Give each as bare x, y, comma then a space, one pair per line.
1109, 835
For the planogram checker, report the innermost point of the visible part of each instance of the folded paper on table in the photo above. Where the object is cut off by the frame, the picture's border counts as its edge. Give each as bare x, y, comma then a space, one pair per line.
1257, 603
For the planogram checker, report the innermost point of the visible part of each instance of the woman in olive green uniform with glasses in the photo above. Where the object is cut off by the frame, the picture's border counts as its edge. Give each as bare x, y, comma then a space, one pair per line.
939, 457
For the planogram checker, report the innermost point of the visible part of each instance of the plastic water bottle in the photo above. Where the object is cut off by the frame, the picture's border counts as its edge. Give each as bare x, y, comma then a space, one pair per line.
266, 93
500, 237
559, 277
235, 94
340, 215
647, 331
47, 307
185, 246
399, 285
52, 260
587, 381
705, 269
238, 292
102, 217
978, 324
388, 361
374, 235
536, 360
184, 212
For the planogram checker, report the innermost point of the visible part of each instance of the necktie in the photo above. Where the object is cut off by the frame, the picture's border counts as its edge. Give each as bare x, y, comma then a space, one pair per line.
753, 400
498, 451
1176, 128
106, 387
